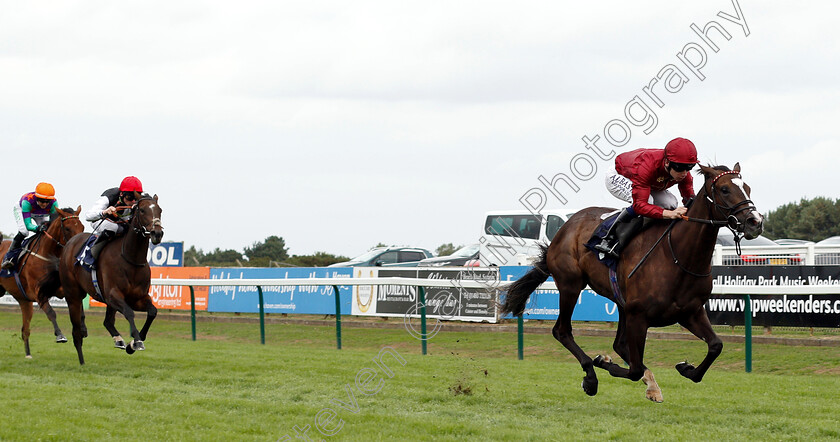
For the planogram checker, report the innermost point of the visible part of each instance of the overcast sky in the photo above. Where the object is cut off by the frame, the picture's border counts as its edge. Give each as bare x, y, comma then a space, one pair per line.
339, 125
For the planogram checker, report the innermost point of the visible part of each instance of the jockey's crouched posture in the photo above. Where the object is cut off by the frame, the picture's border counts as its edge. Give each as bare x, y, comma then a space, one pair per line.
32, 214
104, 215
641, 177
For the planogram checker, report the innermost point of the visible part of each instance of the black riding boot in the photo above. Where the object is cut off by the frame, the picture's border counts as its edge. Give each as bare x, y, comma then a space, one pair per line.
100, 242
609, 241
14, 249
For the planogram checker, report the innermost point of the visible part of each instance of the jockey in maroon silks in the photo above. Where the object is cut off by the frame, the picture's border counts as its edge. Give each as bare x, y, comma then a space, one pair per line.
642, 177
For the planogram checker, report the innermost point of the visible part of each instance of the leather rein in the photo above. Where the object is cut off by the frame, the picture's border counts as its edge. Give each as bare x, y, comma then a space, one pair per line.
731, 222
141, 230
59, 243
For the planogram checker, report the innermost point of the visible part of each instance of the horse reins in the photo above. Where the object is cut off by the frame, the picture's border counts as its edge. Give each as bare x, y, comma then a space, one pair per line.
31, 251
58, 242
142, 231
731, 222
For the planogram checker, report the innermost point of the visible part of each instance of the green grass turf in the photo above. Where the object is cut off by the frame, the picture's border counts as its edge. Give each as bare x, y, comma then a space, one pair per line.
227, 386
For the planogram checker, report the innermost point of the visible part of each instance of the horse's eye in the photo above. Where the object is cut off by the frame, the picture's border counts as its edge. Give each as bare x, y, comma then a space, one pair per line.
724, 189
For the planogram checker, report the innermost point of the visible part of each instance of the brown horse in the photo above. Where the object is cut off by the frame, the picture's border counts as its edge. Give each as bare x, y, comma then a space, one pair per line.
123, 275
670, 286
35, 264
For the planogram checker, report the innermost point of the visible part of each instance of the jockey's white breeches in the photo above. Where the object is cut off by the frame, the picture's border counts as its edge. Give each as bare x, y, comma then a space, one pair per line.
622, 188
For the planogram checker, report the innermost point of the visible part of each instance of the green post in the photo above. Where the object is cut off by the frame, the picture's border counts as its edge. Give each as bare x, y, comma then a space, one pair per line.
423, 318
192, 310
262, 316
520, 339
337, 318
747, 334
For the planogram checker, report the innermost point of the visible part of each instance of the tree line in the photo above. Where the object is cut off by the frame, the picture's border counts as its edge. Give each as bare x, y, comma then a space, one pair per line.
810, 219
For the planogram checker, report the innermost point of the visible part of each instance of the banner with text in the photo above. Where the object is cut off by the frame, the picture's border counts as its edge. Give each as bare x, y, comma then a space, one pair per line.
175, 297
461, 304
166, 254
545, 304
776, 310
279, 299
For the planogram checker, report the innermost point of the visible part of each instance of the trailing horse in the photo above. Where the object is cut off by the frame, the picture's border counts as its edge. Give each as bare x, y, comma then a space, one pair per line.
122, 276
36, 262
671, 283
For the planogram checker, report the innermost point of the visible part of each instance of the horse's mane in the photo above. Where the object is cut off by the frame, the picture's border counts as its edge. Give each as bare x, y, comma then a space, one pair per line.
720, 168
54, 216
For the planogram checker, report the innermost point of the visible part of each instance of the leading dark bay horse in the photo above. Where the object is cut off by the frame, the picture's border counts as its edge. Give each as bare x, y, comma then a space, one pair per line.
35, 264
123, 276
670, 287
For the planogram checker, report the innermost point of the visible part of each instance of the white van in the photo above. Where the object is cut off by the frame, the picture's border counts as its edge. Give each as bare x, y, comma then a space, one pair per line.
512, 237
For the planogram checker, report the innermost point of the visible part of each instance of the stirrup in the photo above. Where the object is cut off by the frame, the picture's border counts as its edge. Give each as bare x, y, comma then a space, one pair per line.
7, 265
604, 246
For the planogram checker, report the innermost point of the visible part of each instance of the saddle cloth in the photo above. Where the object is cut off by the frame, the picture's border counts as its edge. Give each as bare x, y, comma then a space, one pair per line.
85, 258
595, 239
24, 246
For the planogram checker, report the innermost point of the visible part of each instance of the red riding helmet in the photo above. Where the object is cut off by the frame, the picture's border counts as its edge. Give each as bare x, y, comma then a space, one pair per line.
131, 184
681, 150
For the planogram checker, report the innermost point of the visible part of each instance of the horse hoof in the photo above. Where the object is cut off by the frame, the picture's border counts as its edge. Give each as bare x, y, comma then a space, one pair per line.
60, 339
119, 344
590, 388
139, 346
130, 348
685, 369
28, 357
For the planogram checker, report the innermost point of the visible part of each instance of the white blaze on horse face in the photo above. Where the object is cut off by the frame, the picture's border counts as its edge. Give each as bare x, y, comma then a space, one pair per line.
740, 183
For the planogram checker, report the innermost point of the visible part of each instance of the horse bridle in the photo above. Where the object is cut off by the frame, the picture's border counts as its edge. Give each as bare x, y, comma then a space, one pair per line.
30, 249
59, 242
731, 222
731, 213
141, 230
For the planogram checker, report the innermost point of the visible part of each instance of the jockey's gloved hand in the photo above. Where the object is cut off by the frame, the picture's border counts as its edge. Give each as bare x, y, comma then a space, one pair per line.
43, 227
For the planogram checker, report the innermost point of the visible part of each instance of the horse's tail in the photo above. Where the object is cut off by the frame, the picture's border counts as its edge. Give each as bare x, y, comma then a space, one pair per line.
49, 284
519, 291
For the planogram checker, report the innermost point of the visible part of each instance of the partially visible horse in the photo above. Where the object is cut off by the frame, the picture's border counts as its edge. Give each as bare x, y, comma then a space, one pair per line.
123, 276
35, 264
671, 286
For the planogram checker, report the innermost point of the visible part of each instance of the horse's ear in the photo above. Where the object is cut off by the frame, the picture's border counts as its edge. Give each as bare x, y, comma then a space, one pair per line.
155, 198
78, 210
707, 171
737, 167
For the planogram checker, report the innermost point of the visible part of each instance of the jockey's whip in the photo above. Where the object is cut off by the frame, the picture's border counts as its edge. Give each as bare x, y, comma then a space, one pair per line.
644, 258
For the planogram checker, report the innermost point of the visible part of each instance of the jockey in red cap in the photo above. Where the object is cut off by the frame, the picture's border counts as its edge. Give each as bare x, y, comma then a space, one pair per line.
641, 177
104, 214
32, 214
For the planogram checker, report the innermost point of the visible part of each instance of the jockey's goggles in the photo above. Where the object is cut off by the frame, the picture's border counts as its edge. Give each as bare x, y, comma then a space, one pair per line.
681, 167
128, 196
42, 201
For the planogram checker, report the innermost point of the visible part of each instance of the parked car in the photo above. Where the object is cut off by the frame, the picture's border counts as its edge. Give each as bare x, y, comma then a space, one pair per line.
387, 256
725, 238
461, 257
831, 258
792, 242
